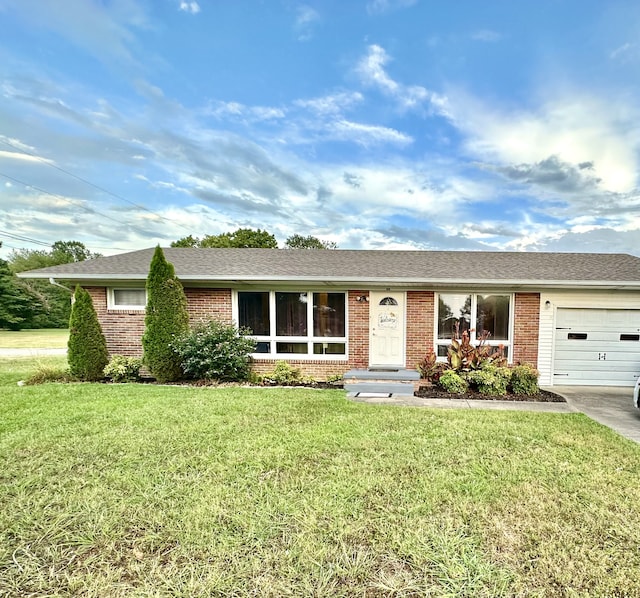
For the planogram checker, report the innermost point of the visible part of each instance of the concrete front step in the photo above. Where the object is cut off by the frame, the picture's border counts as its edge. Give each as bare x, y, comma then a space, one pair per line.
381, 381
380, 387
381, 374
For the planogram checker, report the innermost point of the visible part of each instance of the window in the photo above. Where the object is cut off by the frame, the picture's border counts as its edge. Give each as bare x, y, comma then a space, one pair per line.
300, 323
126, 299
474, 314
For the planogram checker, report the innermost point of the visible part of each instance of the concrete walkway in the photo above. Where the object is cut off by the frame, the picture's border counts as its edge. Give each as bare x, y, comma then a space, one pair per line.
31, 352
611, 406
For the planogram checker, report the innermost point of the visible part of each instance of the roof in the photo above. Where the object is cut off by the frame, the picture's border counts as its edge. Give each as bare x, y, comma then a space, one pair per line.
357, 267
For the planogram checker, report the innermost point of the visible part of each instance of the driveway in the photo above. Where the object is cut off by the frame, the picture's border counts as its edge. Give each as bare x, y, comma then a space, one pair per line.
611, 406
30, 352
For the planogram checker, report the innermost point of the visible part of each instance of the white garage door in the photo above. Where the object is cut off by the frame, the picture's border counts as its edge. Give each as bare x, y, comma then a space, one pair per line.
597, 347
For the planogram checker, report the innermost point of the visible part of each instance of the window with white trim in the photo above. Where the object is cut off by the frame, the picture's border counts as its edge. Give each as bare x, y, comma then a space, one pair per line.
295, 323
126, 299
475, 314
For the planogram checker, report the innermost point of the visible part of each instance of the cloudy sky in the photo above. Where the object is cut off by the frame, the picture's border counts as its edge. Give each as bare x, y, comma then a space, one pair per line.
390, 124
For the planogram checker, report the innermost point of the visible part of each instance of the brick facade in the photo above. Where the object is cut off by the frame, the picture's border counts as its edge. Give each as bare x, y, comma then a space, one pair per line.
526, 316
420, 316
123, 329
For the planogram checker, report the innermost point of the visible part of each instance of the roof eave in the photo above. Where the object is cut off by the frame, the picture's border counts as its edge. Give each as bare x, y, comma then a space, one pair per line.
351, 281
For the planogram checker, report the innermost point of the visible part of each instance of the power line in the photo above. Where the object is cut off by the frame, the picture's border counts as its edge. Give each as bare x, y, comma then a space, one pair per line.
24, 238
86, 209
86, 182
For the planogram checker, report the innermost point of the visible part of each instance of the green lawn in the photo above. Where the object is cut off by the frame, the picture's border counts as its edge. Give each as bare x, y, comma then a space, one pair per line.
143, 490
45, 338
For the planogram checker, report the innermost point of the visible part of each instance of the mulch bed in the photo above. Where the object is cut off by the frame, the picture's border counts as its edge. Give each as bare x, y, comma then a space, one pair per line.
432, 392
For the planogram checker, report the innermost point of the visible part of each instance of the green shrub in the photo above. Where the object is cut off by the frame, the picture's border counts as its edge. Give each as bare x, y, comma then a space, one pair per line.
524, 380
46, 373
284, 373
123, 369
215, 351
166, 320
87, 347
489, 380
452, 382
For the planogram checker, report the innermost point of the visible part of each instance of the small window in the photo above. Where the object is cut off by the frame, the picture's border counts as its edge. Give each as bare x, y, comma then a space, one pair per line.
630, 337
577, 336
127, 298
388, 301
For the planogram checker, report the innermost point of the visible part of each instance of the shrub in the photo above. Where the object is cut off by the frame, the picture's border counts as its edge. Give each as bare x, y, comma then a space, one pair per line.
490, 380
215, 351
524, 380
284, 373
123, 369
452, 382
166, 320
46, 373
87, 347
430, 368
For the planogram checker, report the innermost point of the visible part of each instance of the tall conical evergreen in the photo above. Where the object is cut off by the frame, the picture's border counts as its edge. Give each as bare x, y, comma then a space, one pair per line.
87, 348
166, 318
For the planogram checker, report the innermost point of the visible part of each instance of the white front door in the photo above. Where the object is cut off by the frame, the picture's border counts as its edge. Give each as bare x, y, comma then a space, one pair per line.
386, 329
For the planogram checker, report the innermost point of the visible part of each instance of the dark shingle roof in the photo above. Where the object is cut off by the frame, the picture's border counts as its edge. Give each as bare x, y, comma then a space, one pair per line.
357, 266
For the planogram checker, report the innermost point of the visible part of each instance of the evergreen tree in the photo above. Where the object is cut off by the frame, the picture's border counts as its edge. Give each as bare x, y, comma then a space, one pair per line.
166, 319
87, 348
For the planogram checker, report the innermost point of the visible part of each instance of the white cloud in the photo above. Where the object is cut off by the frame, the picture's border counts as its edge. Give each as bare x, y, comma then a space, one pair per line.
575, 128
486, 35
365, 135
24, 157
372, 73
190, 7
331, 104
623, 51
306, 18
383, 6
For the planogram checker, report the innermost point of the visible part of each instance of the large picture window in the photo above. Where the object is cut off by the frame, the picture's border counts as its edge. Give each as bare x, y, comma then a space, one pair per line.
475, 314
295, 323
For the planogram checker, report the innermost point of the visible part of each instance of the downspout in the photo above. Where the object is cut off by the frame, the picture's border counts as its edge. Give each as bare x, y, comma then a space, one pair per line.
53, 282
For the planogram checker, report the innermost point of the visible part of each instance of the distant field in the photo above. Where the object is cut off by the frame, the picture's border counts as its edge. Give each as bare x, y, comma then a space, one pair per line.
49, 338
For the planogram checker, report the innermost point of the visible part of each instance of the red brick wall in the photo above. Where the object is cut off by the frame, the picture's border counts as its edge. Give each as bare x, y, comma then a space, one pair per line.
209, 304
122, 328
358, 329
525, 328
420, 306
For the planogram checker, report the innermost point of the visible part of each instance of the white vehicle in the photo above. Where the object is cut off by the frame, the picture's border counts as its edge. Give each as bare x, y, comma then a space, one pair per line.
636, 390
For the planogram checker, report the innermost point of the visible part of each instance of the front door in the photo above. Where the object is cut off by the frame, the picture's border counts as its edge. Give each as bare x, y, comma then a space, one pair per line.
386, 329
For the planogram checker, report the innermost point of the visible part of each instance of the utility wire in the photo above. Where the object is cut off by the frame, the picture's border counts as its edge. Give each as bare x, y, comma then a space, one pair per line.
25, 239
98, 187
86, 209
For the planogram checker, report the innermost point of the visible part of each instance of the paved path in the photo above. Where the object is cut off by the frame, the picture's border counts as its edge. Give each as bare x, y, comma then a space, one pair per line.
30, 352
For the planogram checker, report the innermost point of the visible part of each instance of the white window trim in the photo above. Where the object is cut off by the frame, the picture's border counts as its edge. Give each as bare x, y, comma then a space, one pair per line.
272, 338
473, 337
111, 302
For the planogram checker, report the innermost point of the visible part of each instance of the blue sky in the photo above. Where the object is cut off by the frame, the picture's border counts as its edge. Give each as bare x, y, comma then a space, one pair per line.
379, 124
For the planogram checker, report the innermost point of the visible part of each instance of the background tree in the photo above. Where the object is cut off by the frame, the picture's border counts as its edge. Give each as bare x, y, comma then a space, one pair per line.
308, 242
51, 304
87, 348
166, 319
243, 237
16, 303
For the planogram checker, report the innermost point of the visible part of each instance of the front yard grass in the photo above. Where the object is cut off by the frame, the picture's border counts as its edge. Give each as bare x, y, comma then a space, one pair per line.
44, 338
144, 490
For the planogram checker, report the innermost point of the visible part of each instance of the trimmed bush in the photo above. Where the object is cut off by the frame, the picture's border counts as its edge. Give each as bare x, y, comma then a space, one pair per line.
524, 380
215, 351
123, 369
165, 321
284, 373
452, 382
87, 347
490, 380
